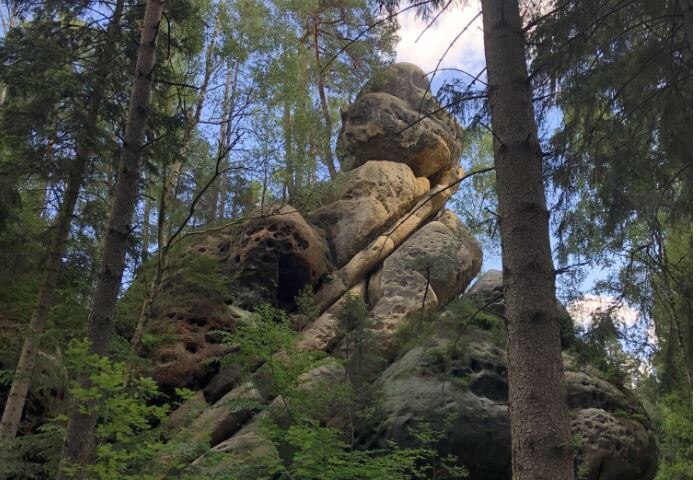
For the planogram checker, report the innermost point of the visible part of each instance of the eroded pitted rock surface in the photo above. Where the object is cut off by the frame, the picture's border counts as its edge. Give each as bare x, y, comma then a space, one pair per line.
427, 271
396, 118
275, 257
459, 385
617, 446
489, 287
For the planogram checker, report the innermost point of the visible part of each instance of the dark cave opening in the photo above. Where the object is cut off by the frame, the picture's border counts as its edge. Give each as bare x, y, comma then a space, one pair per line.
292, 277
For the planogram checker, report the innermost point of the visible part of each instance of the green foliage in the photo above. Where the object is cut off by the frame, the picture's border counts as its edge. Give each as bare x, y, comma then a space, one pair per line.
309, 448
317, 194
125, 409
676, 412
432, 465
475, 202
581, 467
599, 346
474, 312
34, 456
321, 453
306, 305
361, 353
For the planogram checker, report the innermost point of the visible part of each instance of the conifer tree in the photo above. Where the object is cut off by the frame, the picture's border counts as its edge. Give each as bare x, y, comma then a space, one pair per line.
541, 443
57, 238
79, 444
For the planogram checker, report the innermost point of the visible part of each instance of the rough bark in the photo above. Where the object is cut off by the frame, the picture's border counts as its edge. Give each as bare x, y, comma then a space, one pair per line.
540, 430
687, 10
58, 237
78, 449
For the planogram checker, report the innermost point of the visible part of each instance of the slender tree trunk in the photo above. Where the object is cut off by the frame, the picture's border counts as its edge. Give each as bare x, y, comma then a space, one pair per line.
193, 119
540, 431
217, 194
288, 151
161, 264
167, 198
146, 227
327, 119
56, 248
78, 449
227, 137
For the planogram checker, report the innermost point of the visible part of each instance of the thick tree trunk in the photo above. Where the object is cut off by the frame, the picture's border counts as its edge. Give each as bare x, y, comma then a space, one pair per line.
78, 449
687, 10
540, 430
58, 237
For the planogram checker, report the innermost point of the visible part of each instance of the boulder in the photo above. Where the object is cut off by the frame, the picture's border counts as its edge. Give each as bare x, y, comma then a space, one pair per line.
465, 398
441, 253
615, 446
373, 196
180, 360
395, 118
489, 287
461, 389
276, 255
403, 80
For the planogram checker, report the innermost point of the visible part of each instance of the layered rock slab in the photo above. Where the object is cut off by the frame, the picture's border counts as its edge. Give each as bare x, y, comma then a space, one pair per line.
373, 196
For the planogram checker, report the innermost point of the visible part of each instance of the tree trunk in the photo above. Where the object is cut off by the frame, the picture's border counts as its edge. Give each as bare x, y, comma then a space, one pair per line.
146, 226
56, 248
78, 449
192, 120
218, 187
687, 11
288, 151
540, 431
167, 198
231, 91
327, 120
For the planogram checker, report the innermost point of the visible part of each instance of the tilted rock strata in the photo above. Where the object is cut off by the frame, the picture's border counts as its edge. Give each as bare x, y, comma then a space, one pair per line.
374, 195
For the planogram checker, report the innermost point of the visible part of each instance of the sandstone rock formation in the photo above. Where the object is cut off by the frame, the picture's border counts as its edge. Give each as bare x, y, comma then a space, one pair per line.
390, 242
490, 288
429, 269
391, 120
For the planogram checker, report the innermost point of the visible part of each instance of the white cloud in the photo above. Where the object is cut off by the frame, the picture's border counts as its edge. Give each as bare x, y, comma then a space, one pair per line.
467, 53
583, 310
